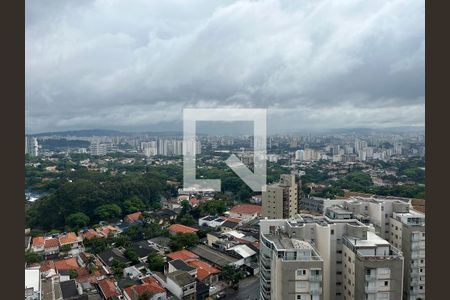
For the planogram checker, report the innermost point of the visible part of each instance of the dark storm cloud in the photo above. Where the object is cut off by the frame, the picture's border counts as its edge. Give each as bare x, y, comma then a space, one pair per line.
132, 64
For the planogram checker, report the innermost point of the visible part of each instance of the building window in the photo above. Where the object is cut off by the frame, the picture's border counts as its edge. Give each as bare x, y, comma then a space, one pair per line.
301, 272
386, 283
332, 231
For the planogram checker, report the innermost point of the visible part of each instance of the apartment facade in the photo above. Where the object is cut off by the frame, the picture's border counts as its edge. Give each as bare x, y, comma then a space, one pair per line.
408, 234
290, 268
327, 235
280, 200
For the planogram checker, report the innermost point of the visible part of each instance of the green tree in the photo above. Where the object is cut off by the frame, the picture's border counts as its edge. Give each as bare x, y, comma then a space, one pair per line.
77, 220
183, 240
32, 257
155, 262
145, 296
108, 212
232, 274
131, 255
65, 248
133, 204
187, 220
73, 273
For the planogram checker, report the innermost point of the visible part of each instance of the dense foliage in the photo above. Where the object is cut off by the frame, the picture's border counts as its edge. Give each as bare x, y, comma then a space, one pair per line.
95, 197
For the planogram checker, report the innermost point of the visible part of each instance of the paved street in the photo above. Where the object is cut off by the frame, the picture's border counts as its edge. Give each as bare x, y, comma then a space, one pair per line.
248, 290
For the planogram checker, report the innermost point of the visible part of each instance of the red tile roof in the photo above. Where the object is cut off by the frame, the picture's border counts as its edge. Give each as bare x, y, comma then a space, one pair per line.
178, 228
38, 241
51, 243
90, 234
47, 265
67, 264
194, 201
156, 286
203, 269
182, 254
137, 290
248, 209
108, 288
106, 230
69, 238
131, 218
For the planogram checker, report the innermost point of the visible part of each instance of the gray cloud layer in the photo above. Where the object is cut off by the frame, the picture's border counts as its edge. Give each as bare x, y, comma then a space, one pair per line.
133, 64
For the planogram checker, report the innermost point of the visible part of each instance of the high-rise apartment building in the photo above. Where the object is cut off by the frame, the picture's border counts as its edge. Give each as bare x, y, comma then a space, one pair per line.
280, 200
149, 148
407, 232
290, 268
97, 148
349, 250
31, 146
299, 155
175, 147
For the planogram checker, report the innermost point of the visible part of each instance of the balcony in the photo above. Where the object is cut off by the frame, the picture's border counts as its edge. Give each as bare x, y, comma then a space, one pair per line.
315, 278
418, 246
316, 291
371, 277
371, 289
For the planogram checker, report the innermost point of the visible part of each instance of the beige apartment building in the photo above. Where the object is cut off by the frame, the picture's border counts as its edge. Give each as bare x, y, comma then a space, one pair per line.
280, 200
408, 234
329, 237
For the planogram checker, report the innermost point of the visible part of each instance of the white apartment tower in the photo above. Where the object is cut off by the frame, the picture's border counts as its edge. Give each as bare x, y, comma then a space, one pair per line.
31, 146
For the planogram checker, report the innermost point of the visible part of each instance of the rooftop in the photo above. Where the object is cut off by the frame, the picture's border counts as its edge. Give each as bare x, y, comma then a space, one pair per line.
182, 278
213, 256
181, 265
108, 288
182, 254
203, 269
249, 209
179, 228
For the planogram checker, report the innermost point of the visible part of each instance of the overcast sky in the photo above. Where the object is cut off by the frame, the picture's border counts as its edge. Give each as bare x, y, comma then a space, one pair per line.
134, 65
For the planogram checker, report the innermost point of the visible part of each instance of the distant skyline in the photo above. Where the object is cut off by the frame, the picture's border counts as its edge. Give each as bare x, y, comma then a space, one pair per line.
134, 65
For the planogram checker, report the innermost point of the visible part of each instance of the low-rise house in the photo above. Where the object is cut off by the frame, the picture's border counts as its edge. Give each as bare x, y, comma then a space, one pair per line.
245, 252
51, 246
179, 228
245, 212
149, 286
108, 288
205, 272
182, 254
211, 221
182, 285
143, 249
132, 272
132, 218
90, 234
229, 225
69, 239
160, 243
108, 230
108, 257
38, 244
180, 265
216, 257
164, 216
